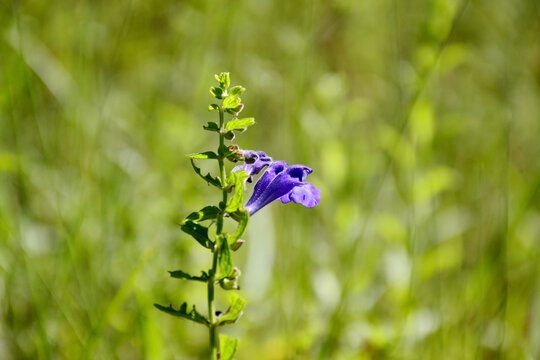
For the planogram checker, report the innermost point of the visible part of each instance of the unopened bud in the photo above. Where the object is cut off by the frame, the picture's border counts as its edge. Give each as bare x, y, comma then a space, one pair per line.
228, 284
236, 245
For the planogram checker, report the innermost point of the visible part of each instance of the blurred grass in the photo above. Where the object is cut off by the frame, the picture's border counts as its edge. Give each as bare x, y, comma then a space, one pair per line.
420, 118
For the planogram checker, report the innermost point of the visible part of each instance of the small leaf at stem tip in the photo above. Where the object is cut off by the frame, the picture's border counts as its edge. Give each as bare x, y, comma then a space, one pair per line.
217, 92
234, 311
231, 102
206, 213
204, 155
198, 232
193, 315
208, 178
227, 347
224, 80
239, 124
213, 107
236, 180
224, 257
236, 91
179, 274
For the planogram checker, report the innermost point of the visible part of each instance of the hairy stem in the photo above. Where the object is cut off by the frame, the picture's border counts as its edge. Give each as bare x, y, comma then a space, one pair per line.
214, 344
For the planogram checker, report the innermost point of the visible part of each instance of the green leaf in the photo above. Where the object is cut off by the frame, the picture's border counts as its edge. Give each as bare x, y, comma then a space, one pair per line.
213, 107
227, 347
231, 102
217, 92
236, 110
239, 124
225, 150
224, 257
211, 126
193, 315
236, 91
198, 232
229, 135
206, 213
179, 274
209, 179
243, 219
234, 311
224, 80
204, 155
237, 200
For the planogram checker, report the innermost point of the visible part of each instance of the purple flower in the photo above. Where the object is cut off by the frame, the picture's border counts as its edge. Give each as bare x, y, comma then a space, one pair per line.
254, 162
281, 181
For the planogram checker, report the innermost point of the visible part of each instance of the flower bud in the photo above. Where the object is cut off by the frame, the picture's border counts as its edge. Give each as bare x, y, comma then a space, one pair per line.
236, 245
228, 284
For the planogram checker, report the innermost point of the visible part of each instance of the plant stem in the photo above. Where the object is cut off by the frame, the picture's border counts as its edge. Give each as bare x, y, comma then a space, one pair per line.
211, 309
214, 343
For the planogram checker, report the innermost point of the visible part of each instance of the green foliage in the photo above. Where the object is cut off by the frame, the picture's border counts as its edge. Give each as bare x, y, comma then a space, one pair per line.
231, 102
204, 155
208, 178
224, 80
179, 274
207, 213
236, 182
224, 258
234, 311
239, 124
242, 216
236, 91
217, 92
227, 347
198, 232
193, 315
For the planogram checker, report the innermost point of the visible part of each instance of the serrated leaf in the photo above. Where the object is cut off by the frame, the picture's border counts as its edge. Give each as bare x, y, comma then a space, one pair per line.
231, 102
206, 213
239, 124
224, 257
234, 311
213, 107
208, 178
227, 347
204, 155
193, 315
217, 92
198, 232
236, 91
179, 274
236, 180
242, 216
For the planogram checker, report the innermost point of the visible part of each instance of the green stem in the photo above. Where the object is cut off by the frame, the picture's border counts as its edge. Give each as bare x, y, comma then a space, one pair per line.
212, 310
214, 342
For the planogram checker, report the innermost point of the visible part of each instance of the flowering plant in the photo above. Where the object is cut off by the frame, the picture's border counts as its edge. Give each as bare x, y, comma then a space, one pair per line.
278, 181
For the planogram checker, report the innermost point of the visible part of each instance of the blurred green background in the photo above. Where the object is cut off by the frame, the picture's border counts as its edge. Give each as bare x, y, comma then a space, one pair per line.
421, 119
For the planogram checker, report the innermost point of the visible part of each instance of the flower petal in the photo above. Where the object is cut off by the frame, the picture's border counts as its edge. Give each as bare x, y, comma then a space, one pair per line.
276, 182
266, 178
305, 194
255, 162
